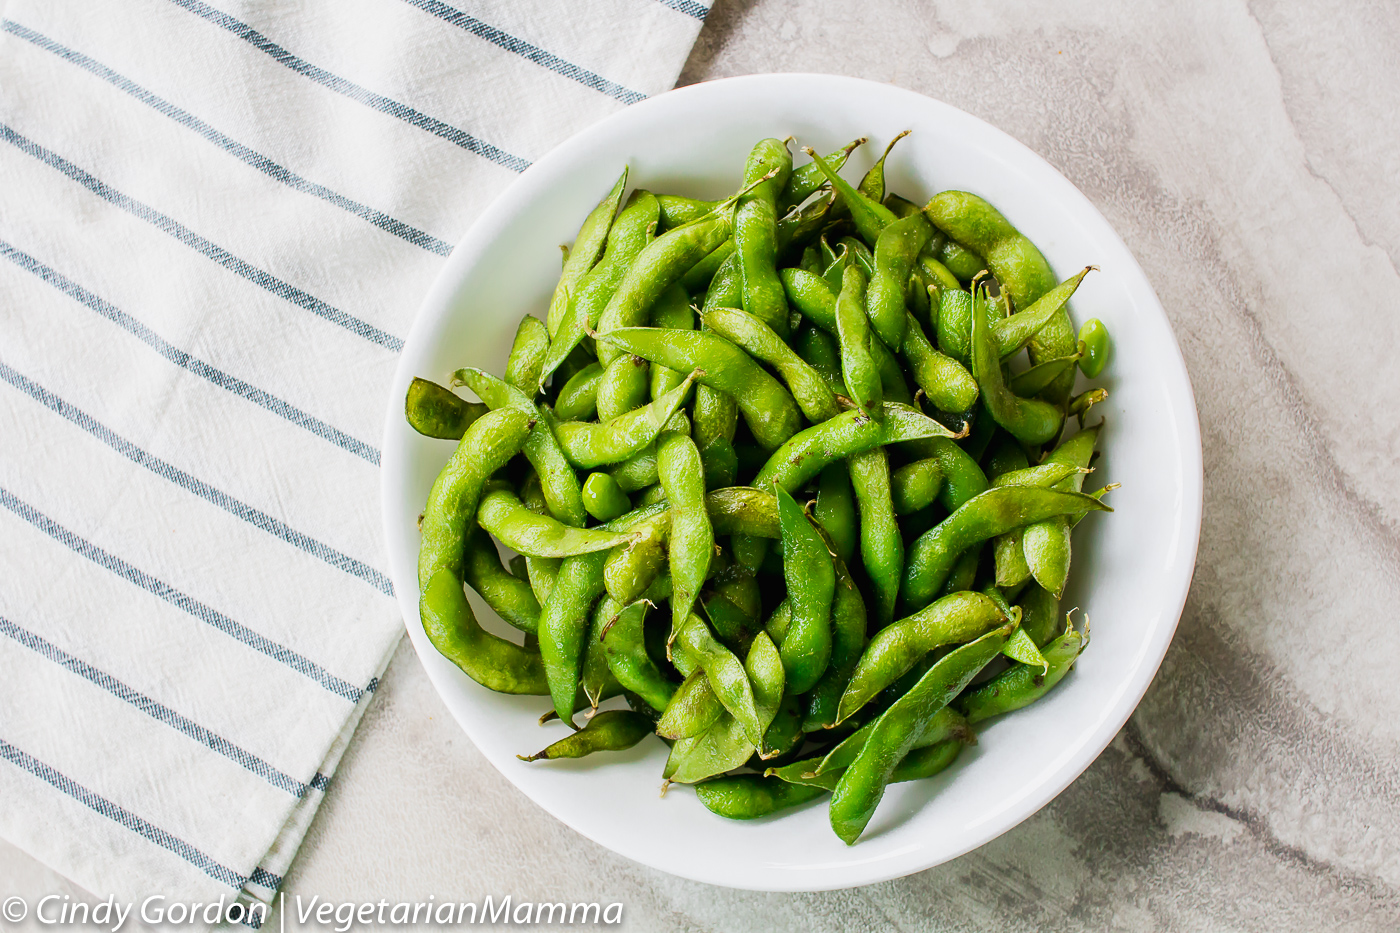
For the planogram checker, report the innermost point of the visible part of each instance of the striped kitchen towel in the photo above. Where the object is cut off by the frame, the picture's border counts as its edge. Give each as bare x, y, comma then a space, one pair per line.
217, 219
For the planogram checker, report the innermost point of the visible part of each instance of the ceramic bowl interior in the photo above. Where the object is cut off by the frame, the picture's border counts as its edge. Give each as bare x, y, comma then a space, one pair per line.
1131, 568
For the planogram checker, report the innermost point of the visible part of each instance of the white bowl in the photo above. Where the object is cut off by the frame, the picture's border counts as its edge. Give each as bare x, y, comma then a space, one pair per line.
1131, 570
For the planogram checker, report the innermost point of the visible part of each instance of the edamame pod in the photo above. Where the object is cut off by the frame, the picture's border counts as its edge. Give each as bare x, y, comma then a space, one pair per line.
631, 232
1030, 421
853, 336
994, 512
895, 649
863, 784
768, 408
503, 515
590, 445
612, 730
624, 645
811, 583
808, 389
435, 411
756, 230
557, 478
896, 249
692, 540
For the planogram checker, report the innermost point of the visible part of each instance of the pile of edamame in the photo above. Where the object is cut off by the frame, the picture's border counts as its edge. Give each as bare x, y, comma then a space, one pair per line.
776, 470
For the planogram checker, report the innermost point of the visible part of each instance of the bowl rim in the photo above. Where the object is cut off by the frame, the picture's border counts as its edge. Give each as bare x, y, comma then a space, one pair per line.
1060, 773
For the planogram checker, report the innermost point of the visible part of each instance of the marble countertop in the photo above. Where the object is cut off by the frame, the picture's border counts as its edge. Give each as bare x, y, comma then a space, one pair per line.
1247, 153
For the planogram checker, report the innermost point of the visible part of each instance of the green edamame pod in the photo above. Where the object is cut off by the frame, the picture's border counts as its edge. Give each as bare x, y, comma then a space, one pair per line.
637, 471
1033, 381
743, 510
720, 462
540, 571
853, 336
624, 645
1021, 328
435, 411
578, 399
892, 384
451, 509
661, 263
858, 254
852, 432
1030, 421
804, 181
1046, 544
526, 360
964, 572
863, 784
604, 498
629, 570
542, 449
692, 709
596, 680
811, 582
725, 672
869, 216
873, 184
756, 230
631, 232
612, 730
836, 510
784, 733
808, 389
1093, 338
818, 350
508, 596
732, 626
1019, 268
503, 515
963, 477
894, 650
994, 512
677, 211
881, 546
812, 295
716, 416
584, 253
915, 486
589, 445
934, 273
624, 387
896, 250
948, 385
692, 542
848, 625
729, 742
797, 228
1040, 614
672, 311
955, 312
726, 288
945, 725
960, 261
489, 660
768, 408
1024, 684
563, 626
447, 617
698, 279
750, 796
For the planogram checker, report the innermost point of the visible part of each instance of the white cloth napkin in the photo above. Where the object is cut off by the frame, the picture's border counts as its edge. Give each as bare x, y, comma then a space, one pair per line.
216, 223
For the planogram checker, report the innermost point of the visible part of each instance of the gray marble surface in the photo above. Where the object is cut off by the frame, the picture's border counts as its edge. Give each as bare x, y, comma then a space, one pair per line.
1247, 153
